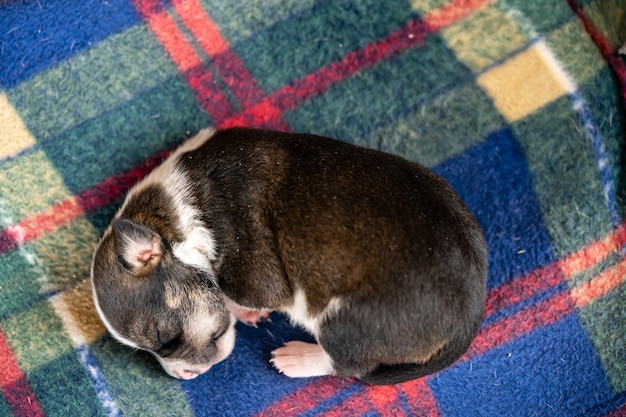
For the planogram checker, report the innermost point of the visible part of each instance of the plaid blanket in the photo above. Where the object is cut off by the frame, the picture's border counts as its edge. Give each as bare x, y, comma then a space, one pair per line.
519, 104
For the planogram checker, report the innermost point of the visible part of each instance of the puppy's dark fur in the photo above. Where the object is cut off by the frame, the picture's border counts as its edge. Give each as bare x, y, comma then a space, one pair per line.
373, 254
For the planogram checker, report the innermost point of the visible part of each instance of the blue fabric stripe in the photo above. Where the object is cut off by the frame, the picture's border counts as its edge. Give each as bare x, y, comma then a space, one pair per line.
39, 34
601, 154
98, 381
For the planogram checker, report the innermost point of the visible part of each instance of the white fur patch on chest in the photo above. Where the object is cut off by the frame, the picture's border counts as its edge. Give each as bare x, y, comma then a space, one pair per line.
300, 315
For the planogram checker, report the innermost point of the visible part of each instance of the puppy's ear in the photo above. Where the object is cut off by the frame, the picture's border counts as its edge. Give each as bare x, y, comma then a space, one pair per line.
138, 247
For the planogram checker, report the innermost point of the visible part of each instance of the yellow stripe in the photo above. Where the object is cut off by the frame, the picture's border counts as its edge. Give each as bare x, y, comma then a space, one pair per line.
14, 137
525, 82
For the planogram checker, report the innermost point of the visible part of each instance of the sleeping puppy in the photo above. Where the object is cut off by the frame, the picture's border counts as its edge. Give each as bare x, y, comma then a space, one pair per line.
374, 255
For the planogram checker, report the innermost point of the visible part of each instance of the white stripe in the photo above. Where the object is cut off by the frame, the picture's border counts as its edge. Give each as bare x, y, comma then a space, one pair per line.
6, 220
563, 78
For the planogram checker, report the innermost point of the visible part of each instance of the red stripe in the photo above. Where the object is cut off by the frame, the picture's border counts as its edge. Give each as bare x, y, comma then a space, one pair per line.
453, 12
542, 279
229, 66
307, 397
202, 27
113, 188
39, 224
523, 288
593, 253
208, 94
383, 399
290, 96
14, 385
356, 405
106, 192
420, 398
227, 63
184, 56
619, 412
33, 227
265, 114
523, 322
600, 285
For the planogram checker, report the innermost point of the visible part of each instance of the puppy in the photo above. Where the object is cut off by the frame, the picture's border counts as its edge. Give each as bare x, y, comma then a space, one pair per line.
374, 255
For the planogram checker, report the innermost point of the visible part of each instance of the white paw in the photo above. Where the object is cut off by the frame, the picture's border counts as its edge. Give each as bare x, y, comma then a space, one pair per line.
246, 315
252, 317
299, 359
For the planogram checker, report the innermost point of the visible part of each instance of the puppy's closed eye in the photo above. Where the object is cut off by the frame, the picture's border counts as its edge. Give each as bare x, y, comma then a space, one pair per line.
219, 334
166, 343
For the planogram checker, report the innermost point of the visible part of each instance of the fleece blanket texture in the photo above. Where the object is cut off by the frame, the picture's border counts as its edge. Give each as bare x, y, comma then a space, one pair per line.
519, 104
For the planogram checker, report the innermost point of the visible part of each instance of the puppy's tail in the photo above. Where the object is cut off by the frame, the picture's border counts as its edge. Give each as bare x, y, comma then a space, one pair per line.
394, 374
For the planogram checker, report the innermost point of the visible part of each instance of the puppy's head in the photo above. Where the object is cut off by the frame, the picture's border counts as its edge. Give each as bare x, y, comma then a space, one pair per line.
148, 299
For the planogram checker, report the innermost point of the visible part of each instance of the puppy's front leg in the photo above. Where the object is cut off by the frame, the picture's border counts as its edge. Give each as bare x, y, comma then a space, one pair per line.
245, 315
299, 359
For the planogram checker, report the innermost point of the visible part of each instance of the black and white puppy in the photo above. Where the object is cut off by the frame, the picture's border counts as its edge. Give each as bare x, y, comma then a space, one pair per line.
374, 255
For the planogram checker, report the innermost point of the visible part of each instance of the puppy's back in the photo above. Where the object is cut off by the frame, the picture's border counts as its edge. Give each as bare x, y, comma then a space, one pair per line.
386, 236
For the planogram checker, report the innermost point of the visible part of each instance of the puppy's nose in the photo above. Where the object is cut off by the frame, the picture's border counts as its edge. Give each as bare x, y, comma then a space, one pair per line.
187, 375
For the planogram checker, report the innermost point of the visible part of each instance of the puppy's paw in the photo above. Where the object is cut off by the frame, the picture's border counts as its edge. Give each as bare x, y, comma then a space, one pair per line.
299, 359
253, 317
246, 315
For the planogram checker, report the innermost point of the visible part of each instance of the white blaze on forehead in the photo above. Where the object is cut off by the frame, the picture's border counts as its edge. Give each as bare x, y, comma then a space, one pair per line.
172, 295
202, 324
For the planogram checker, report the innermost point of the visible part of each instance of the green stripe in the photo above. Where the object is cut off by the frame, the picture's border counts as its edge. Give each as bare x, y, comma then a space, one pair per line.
37, 337
19, 286
29, 185
293, 48
66, 254
410, 78
124, 137
542, 16
138, 383
63, 388
5, 409
603, 98
91, 83
578, 54
440, 128
560, 157
240, 20
467, 37
587, 275
605, 320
